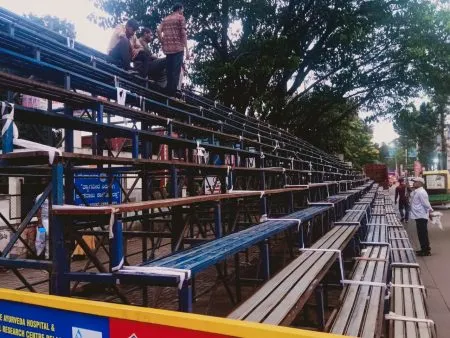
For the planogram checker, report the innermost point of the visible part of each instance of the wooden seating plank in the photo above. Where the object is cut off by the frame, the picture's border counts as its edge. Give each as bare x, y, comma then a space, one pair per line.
242, 311
273, 302
375, 272
420, 306
350, 296
290, 299
371, 326
168, 202
409, 302
360, 301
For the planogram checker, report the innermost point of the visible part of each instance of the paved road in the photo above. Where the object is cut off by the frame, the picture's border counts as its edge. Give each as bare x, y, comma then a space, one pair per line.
435, 271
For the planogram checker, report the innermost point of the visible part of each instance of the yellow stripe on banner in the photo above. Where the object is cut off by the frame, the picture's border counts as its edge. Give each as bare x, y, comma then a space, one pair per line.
202, 323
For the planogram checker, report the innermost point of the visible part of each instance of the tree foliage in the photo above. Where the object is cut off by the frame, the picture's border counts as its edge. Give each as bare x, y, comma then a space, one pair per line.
55, 24
311, 65
354, 141
364, 50
419, 127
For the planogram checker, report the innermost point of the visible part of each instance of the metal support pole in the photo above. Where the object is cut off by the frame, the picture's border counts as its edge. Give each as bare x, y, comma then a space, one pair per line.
99, 136
173, 170
237, 273
69, 186
173, 181
146, 144
177, 228
59, 284
8, 136
185, 297
117, 252
135, 145
68, 133
68, 147
145, 223
265, 259
218, 220
320, 305
262, 186
8, 139
290, 202
230, 179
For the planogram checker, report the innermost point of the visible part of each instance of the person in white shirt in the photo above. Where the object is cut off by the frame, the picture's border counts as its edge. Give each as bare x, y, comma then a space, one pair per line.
420, 211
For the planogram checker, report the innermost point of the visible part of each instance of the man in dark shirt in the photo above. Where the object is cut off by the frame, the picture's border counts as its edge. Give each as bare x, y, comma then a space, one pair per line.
402, 195
147, 64
121, 44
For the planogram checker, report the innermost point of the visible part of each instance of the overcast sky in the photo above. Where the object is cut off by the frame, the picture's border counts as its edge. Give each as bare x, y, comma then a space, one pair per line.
92, 35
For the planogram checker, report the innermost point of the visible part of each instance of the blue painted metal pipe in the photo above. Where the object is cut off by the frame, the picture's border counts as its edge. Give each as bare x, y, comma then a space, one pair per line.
7, 140
117, 252
135, 145
59, 284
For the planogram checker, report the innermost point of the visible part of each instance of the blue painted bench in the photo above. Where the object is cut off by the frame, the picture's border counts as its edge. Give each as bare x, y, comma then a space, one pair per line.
197, 259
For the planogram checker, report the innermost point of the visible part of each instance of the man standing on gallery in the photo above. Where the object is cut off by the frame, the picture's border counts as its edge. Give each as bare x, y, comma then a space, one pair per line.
173, 37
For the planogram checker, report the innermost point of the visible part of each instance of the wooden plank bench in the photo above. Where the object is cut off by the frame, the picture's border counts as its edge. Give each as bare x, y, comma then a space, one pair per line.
376, 233
390, 209
379, 209
359, 214
280, 300
168, 202
360, 314
341, 203
402, 251
378, 219
392, 219
407, 293
356, 214
408, 300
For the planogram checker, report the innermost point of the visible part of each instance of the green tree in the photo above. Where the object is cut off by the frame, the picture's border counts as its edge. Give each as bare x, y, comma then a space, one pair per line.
421, 127
357, 143
54, 23
363, 51
307, 66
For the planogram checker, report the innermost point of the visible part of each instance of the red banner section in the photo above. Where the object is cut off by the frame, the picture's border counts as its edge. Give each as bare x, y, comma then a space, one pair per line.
120, 328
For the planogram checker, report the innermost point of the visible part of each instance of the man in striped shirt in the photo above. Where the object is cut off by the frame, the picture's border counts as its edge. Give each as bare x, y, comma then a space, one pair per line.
172, 35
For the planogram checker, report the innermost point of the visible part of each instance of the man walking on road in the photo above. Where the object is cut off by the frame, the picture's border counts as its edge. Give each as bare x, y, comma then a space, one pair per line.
172, 35
421, 212
402, 195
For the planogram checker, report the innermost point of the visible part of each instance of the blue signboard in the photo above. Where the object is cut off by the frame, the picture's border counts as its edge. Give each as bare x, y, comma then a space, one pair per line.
93, 185
25, 320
